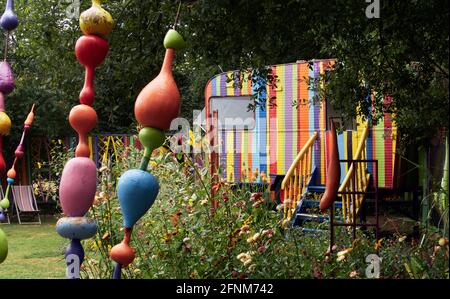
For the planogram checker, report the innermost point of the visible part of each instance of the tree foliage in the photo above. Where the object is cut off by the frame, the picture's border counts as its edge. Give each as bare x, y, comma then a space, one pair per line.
403, 54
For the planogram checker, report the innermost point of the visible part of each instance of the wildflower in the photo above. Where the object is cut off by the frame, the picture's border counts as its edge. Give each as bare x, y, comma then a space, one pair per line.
105, 237
251, 268
378, 244
186, 239
224, 196
175, 218
443, 241
353, 274
257, 204
244, 257
250, 240
203, 202
245, 227
256, 237
137, 271
255, 196
248, 262
344, 252
268, 232
243, 275
234, 274
340, 258
240, 256
261, 249
401, 239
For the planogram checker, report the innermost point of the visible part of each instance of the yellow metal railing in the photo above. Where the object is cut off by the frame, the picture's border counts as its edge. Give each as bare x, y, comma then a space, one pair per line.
297, 177
356, 180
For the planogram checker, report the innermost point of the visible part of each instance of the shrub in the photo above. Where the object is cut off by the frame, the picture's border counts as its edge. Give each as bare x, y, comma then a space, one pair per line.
180, 237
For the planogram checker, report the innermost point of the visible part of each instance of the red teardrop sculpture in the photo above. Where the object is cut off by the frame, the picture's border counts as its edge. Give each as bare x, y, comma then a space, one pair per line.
334, 172
91, 51
159, 102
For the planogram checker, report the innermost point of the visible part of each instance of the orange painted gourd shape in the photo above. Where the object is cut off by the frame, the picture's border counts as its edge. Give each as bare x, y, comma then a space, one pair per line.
159, 102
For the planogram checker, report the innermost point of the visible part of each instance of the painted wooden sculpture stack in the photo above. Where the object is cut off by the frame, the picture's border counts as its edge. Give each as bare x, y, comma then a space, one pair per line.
155, 108
79, 178
8, 22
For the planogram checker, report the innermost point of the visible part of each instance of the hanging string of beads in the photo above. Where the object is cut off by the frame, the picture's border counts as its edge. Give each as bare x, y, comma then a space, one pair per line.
79, 178
155, 108
8, 22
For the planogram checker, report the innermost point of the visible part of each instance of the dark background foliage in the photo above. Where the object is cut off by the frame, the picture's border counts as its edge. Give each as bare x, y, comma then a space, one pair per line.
404, 53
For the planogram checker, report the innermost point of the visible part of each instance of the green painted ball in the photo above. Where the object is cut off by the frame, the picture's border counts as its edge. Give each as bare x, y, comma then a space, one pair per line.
4, 203
151, 138
174, 40
3, 247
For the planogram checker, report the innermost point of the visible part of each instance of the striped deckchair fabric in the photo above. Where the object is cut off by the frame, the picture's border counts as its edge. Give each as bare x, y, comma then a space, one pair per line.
25, 202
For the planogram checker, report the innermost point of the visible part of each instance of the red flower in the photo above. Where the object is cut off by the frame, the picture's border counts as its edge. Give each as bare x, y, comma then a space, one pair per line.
255, 196
224, 196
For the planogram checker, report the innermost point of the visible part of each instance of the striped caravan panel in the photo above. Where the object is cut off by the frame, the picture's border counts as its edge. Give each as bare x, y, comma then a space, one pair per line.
283, 128
280, 129
380, 145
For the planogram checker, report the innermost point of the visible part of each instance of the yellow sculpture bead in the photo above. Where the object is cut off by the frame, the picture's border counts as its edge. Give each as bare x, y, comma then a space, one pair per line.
5, 123
96, 20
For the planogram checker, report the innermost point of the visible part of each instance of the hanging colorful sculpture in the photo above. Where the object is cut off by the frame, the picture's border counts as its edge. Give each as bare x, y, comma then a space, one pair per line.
8, 22
79, 178
155, 108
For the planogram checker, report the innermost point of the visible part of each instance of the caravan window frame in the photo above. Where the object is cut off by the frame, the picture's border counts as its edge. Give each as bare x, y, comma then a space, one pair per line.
221, 126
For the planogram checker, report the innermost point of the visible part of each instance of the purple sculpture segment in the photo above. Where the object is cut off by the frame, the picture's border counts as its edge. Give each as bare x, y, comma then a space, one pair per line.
79, 178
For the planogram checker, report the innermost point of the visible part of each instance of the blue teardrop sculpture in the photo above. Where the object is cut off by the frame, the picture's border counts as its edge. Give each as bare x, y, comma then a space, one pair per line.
137, 191
9, 20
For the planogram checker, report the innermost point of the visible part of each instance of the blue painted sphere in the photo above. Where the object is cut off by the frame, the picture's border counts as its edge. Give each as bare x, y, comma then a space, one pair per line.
137, 191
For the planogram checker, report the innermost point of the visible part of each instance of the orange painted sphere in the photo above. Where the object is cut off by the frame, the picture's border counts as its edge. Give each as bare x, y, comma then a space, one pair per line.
159, 102
11, 173
83, 118
122, 254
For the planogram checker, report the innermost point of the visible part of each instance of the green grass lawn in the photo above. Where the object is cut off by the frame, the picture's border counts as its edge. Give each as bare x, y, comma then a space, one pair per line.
35, 251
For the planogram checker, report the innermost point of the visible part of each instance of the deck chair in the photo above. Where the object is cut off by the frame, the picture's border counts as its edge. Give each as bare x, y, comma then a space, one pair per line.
25, 203
2, 195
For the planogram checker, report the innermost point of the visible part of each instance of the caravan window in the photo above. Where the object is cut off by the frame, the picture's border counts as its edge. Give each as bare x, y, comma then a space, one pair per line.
233, 112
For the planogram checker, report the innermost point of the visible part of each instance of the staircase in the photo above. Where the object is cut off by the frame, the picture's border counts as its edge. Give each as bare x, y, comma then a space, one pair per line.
302, 193
307, 210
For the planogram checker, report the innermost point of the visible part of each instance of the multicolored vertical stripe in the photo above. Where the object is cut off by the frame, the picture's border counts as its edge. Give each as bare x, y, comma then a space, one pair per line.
283, 128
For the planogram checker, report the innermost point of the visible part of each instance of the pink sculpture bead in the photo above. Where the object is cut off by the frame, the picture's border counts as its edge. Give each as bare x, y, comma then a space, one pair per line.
78, 186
